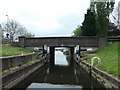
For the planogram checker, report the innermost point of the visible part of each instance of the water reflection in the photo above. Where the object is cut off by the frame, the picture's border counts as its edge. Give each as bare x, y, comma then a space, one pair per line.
61, 75
60, 59
57, 77
46, 85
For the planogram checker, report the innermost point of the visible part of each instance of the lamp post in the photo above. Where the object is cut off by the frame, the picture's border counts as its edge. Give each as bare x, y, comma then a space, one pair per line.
7, 27
7, 34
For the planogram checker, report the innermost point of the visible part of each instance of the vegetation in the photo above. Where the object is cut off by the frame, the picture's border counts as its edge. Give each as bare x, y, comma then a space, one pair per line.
109, 57
7, 50
116, 14
96, 21
77, 31
13, 29
102, 11
89, 24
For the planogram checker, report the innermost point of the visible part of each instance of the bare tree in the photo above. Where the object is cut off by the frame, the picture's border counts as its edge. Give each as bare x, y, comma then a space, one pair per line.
1, 34
116, 15
14, 29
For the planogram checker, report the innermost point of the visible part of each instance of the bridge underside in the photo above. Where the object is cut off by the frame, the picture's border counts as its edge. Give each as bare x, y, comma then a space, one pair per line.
52, 55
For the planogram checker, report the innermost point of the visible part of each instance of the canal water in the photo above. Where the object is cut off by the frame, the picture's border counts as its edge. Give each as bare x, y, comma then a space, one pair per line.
60, 76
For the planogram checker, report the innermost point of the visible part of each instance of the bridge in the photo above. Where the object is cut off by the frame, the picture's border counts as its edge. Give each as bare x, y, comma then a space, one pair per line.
70, 42
11, 79
84, 41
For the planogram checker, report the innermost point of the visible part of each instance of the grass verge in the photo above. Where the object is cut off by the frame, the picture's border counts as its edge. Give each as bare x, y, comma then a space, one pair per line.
109, 57
7, 50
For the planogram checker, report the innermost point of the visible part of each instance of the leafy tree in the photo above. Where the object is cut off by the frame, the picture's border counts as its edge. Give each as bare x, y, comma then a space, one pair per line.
89, 24
77, 31
102, 11
96, 20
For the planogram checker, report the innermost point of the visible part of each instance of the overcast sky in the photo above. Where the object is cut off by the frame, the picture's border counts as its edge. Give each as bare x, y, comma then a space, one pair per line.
46, 17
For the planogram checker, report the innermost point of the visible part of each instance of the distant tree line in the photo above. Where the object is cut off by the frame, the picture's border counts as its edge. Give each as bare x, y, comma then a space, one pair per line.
12, 29
96, 21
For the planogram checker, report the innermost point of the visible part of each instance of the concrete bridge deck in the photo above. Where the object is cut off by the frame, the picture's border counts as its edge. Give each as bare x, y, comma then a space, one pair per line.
86, 41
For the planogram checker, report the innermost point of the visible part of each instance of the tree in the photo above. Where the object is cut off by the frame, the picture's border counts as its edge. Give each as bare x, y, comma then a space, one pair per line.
77, 31
28, 34
116, 14
14, 29
113, 31
102, 11
89, 24
1, 34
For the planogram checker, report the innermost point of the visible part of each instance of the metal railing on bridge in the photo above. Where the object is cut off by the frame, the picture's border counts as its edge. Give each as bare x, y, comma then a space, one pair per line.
113, 39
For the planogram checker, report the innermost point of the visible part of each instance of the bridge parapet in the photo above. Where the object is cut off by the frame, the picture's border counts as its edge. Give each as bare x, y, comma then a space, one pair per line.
84, 41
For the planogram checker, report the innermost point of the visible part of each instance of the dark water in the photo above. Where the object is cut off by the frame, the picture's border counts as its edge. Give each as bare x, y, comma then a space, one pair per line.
60, 76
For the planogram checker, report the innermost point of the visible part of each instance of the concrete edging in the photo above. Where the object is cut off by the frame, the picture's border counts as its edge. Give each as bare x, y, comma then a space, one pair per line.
108, 80
27, 70
18, 60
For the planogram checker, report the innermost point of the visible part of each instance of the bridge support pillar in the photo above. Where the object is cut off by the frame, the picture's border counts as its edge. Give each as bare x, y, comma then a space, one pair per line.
79, 53
71, 55
43, 51
52, 53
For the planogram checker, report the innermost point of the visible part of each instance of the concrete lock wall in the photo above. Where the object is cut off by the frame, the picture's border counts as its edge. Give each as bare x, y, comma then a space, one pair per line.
109, 81
16, 44
12, 78
12, 61
102, 41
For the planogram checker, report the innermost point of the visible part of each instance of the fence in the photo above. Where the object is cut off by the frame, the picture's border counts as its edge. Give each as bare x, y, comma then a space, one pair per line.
113, 39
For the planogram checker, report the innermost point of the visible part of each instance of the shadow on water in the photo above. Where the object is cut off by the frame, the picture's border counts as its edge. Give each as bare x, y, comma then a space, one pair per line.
65, 77
61, 75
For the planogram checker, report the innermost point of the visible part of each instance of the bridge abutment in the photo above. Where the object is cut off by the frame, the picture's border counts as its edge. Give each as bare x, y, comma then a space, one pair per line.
52, 54
71, 55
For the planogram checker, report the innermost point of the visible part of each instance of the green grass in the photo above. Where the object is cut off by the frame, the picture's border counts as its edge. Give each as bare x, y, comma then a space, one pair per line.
109, 57
7, 50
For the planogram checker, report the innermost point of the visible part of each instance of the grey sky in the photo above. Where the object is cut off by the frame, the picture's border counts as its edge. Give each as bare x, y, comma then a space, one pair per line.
46, 17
